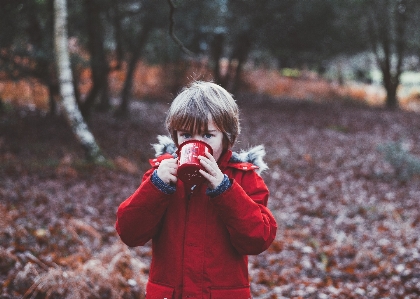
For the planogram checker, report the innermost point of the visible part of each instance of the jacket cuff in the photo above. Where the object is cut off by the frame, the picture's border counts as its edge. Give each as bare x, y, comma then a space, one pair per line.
224, 185
161, 185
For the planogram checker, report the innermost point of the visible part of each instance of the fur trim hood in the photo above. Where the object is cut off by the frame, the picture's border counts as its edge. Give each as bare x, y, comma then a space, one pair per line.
253, 155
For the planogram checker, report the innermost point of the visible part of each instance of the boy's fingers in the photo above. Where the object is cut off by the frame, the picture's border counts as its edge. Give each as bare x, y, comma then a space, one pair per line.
207, 156
209, 161
208, 165
212, 180
207, 176
210, 156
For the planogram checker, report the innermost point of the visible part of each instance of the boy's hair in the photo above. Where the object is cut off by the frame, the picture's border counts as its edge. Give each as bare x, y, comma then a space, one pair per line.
190, 111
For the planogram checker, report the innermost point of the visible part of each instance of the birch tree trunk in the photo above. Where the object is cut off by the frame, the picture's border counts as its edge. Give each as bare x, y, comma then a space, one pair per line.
72, 112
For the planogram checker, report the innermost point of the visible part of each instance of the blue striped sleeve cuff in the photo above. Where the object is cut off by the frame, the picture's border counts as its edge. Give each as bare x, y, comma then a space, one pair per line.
161, 185
224, 185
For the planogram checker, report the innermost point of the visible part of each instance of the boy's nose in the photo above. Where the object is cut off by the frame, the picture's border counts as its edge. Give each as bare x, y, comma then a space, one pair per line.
198, 137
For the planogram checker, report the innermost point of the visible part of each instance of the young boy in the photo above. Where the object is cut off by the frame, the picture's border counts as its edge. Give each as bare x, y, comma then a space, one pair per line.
201, 235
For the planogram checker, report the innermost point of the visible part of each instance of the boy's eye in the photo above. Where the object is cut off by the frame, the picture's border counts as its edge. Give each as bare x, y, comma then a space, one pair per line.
186, 135
208, 135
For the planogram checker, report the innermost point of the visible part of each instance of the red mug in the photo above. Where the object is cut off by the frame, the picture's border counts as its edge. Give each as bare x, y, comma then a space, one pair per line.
188, 162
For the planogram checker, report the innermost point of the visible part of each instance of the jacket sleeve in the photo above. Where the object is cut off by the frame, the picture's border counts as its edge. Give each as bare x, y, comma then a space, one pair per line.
243, 209
139, 216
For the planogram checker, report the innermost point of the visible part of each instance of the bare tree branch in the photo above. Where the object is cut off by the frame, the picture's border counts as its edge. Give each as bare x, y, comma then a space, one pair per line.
171, 29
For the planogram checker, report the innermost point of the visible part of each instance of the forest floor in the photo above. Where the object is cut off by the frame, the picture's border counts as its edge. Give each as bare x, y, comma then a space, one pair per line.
348, 219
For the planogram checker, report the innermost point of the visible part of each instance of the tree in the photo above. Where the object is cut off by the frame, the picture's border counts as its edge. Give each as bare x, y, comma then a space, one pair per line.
73, 115
197, 29
27, 44
134, 37
216, 52
296, 33
386, 25
388, 29
98, 61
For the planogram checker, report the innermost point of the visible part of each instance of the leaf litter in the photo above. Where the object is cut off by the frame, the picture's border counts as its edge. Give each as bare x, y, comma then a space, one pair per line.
348, 225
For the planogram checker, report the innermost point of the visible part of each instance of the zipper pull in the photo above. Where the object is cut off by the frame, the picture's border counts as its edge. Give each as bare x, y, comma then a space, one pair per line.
191, 192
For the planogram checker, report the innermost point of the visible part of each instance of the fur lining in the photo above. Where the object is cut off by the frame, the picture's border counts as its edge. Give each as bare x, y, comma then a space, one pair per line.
165, 146
253, 155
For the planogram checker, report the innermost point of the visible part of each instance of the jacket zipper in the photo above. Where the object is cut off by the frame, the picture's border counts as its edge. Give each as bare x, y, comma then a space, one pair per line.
190, 192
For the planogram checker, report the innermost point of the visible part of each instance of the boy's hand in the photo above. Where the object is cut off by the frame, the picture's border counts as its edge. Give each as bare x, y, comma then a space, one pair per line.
213, 174
167, 171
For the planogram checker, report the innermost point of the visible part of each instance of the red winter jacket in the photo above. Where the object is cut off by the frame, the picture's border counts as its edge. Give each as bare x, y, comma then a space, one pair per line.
200, 244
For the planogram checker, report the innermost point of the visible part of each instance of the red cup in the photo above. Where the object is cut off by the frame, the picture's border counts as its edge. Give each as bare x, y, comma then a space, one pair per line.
188, 162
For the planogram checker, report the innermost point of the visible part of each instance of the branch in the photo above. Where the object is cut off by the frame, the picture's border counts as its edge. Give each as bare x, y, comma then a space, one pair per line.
171, 29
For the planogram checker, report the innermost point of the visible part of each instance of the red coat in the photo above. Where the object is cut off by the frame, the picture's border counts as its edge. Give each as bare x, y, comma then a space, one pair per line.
200, 244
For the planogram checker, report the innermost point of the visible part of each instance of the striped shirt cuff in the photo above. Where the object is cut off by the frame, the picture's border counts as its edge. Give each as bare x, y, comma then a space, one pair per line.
161, 185
224, 185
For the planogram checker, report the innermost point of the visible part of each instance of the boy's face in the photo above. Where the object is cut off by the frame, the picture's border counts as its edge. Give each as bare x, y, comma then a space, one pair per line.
213, 137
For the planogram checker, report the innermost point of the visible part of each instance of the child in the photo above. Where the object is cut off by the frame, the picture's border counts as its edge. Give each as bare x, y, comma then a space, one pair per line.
201, 235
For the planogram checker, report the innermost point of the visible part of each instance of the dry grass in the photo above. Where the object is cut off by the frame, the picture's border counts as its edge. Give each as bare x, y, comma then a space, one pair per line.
113, 272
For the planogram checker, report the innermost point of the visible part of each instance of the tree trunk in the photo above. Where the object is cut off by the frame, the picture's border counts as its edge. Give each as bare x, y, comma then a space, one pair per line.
390, 80
53, 92
387, 34
98, 63
391, 84
128, 84
116, 19
243, 47
73, 115
216, 48
391, 100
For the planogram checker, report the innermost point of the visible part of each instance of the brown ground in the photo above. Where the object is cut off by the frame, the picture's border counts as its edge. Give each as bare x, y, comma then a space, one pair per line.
348, 222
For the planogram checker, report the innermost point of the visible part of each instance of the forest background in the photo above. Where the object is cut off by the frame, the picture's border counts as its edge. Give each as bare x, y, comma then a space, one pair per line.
331, 88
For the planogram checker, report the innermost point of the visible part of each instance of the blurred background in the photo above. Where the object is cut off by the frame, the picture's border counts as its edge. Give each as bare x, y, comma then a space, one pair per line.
125, 50
331, 88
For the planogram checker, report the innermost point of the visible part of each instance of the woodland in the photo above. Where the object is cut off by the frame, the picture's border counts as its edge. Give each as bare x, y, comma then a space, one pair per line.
343, 151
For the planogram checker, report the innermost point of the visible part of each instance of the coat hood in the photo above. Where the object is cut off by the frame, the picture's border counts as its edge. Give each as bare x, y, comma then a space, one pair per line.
253, 155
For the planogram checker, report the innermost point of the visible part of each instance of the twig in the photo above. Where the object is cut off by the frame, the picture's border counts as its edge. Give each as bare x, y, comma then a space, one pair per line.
76, 224
36, 260
171, 29
34, 289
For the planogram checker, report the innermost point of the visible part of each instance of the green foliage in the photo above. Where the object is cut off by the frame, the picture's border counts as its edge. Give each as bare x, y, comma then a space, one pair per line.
288, 72
406, 165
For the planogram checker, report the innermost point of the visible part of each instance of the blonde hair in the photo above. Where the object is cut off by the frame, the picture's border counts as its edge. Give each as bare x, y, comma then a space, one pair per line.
190, 111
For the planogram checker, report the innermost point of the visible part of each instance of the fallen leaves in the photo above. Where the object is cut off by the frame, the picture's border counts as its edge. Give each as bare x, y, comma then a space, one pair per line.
348, 228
